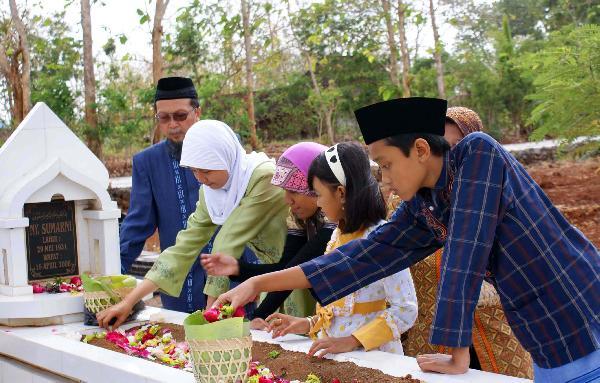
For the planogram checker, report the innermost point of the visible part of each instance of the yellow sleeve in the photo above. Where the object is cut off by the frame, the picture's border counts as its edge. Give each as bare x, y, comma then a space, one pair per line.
374, 334
259, 222
174, 263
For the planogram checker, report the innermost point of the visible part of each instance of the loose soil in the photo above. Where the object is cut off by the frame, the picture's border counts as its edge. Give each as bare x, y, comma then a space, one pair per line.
295, 365
574, 187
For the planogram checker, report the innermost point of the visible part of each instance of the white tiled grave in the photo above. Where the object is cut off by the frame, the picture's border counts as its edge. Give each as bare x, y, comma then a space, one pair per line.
56, 219
57, 349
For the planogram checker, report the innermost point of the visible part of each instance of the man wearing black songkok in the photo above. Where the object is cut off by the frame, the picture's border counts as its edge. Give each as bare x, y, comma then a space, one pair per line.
163, 194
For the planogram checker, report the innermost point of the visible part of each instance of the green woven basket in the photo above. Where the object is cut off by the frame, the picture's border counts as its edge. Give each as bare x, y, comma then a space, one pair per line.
221, 360
96, 301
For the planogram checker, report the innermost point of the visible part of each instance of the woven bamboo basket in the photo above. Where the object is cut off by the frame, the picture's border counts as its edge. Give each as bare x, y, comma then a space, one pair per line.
221, 360
96, 301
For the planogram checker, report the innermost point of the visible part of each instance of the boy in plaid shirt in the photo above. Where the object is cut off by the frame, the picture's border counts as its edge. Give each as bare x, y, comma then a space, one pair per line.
493, 221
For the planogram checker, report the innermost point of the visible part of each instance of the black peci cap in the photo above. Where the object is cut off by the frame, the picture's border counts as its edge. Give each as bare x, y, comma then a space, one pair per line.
400, 116
170, 88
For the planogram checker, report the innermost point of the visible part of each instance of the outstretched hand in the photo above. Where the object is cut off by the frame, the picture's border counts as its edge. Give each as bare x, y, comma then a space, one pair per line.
259, 324
220, 264
324, 346
282, 324
240, 295
456, 363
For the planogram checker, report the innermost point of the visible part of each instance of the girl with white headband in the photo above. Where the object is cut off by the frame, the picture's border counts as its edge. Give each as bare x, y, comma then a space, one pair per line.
375, 316
238, 210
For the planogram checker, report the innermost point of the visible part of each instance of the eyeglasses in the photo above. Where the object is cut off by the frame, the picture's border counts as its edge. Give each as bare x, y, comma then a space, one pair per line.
165, 118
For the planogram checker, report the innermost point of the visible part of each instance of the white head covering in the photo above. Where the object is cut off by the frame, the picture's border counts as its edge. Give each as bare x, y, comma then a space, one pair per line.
212, 145
335, 164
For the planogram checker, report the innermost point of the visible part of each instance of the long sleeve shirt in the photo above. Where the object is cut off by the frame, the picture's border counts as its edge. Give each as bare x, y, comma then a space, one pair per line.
154, 202
259, 222
298, 249
493, 221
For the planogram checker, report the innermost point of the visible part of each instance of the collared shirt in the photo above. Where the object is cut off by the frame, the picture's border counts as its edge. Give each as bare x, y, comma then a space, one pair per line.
495, 222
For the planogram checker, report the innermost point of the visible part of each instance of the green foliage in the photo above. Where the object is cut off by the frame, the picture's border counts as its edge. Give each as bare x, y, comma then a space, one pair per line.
55, 62
512, 87
566, 75
523, 65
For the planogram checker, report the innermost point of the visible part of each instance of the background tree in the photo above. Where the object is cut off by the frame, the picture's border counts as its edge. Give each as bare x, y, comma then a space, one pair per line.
566, 76
157, 58
91, 119
437, 53
249, 73
56, 66
393, 67
15, 63
402, 10
314, 63
157, 34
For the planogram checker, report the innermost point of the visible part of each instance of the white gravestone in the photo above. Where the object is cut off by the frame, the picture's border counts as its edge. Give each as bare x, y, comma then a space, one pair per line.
56, 218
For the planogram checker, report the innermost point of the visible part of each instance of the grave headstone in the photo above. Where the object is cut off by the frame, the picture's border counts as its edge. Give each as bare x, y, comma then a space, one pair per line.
56, 219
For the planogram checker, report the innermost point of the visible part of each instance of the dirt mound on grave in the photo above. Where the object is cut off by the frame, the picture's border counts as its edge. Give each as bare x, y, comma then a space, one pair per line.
293, 365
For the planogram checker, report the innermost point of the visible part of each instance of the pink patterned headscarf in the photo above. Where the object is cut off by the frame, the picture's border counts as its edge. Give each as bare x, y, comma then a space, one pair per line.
292, 167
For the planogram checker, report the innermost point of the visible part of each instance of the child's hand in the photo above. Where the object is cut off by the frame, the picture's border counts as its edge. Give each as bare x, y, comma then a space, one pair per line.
220, 264
240, 295
281, 324
333, 346
457, 363
259, 324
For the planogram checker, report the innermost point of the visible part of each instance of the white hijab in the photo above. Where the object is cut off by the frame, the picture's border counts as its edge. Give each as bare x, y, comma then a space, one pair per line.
212, 145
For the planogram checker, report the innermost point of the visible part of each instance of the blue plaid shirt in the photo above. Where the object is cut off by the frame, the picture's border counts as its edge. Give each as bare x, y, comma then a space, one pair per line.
494, 222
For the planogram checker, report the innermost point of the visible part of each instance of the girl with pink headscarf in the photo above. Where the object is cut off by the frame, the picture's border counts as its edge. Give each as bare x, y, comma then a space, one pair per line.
308, 234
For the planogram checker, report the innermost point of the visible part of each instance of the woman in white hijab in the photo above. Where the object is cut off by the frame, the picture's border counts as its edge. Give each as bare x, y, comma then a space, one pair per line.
237, 205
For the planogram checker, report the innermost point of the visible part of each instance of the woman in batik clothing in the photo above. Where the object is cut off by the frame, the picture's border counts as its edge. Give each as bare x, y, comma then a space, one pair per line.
308, 234
495, 348
375, 316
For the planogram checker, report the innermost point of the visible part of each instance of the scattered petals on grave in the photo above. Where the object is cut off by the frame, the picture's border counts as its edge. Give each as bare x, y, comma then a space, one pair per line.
59, 285
150, 341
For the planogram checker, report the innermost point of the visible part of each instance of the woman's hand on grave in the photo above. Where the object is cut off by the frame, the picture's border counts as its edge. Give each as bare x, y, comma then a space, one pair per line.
326, 346
220, 264
115, 315
258, 324
281, 324
456, 363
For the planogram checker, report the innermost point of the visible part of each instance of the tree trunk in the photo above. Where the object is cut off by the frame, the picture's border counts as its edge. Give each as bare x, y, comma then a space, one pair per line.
157, 61
13, 85
329, 125
249, 74
437, 53
17, 69
391, 43
157, 32
323, 111
89, 81
404, 49
417, 39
